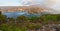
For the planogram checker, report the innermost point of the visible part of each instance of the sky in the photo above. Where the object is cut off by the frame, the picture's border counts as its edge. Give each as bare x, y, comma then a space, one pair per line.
9, 3
48, 3
19, 2
54, 4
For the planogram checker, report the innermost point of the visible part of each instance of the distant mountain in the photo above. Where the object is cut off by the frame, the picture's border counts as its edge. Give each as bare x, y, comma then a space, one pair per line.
46, 9
30, 9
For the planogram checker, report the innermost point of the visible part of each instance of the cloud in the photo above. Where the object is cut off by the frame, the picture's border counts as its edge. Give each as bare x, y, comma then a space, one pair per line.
31, 2
54, 4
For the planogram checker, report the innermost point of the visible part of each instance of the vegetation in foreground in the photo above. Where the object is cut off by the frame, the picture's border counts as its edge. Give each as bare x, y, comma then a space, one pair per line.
23, 23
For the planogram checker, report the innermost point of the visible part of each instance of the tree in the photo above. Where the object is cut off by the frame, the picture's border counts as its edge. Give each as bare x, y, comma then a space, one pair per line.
49, 17
3, 18
33, 19
21, 18
10, 20
0, 12
33, 26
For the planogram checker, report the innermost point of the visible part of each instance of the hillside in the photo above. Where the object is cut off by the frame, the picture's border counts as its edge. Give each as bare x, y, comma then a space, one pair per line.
30, 9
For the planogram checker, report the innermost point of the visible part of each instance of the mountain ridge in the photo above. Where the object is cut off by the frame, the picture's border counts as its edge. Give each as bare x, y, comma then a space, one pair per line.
29, 9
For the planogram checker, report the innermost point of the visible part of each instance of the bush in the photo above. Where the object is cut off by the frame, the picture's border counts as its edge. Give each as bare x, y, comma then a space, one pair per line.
6, 27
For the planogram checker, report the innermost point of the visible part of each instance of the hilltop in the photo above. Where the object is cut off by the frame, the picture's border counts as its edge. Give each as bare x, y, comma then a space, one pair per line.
30, 9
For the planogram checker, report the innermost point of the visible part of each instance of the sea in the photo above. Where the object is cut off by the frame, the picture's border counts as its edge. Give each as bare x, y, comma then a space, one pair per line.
16, 14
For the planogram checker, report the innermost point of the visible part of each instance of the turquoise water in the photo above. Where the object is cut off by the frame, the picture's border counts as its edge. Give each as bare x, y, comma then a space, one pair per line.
16, 14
